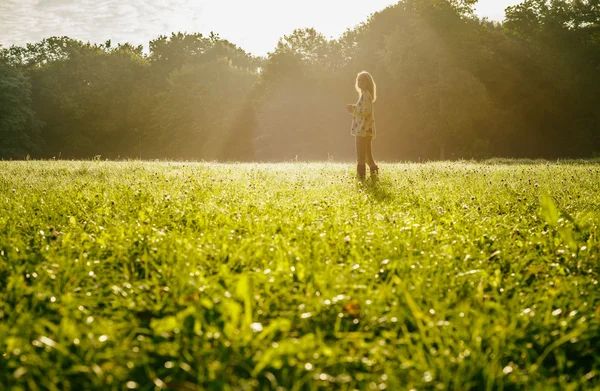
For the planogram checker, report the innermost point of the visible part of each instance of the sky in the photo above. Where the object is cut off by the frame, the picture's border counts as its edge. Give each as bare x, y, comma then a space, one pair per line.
254, 25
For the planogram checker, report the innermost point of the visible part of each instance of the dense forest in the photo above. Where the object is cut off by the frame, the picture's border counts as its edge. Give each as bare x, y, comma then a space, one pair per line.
450, 86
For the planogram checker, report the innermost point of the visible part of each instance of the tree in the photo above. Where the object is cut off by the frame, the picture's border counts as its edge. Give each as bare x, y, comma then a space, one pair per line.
449, 85
19, 129
564, 40
85, 101
199, 106
302, 113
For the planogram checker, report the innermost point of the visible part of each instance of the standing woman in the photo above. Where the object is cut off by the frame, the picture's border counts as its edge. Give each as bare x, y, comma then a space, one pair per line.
363, 124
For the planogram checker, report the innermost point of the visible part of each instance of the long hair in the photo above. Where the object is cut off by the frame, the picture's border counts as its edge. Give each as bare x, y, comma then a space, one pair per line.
364, 81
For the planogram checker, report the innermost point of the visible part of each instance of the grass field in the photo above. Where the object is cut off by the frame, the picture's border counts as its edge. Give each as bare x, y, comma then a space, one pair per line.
441, 276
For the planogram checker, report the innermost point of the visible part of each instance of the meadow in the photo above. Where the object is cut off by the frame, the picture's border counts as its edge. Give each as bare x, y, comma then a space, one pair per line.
193, 276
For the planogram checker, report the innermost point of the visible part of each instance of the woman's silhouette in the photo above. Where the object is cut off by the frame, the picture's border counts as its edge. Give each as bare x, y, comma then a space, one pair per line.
363, 124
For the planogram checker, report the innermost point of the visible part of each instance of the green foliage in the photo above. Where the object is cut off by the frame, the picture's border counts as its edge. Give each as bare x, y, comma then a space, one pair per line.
245, 276
102, 100
49, 50
451, 86
19, 129
199, 100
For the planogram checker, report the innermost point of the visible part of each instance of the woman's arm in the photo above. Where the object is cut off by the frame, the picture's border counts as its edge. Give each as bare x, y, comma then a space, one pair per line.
364, 108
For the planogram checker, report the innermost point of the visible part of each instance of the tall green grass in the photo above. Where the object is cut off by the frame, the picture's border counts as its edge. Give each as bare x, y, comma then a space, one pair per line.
442, 276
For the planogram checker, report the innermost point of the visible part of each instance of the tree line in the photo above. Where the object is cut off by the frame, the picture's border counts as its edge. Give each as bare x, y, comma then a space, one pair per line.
450, 86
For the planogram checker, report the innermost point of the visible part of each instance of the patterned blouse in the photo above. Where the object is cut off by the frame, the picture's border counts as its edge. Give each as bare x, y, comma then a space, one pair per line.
363, 118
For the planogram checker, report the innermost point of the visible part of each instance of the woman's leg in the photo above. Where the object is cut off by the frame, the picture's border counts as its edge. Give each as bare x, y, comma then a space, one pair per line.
361, 152
369, 156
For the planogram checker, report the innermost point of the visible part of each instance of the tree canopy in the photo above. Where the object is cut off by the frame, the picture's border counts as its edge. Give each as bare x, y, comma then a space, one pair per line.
450, 86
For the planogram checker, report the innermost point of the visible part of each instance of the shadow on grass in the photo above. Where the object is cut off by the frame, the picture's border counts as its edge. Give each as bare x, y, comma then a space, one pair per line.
379, 189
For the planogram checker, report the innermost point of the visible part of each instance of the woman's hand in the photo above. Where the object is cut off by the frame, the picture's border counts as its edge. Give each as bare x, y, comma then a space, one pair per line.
350, 108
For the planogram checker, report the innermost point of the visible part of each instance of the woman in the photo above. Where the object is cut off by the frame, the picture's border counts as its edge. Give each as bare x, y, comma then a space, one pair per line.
363, 124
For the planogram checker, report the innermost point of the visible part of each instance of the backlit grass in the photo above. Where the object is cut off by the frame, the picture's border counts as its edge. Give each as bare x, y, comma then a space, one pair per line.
295, 277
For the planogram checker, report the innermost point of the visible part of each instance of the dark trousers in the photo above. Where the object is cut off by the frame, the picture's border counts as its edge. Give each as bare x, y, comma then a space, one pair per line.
364, 154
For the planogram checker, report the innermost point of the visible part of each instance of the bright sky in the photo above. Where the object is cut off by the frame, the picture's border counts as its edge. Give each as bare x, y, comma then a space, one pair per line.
254, 25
